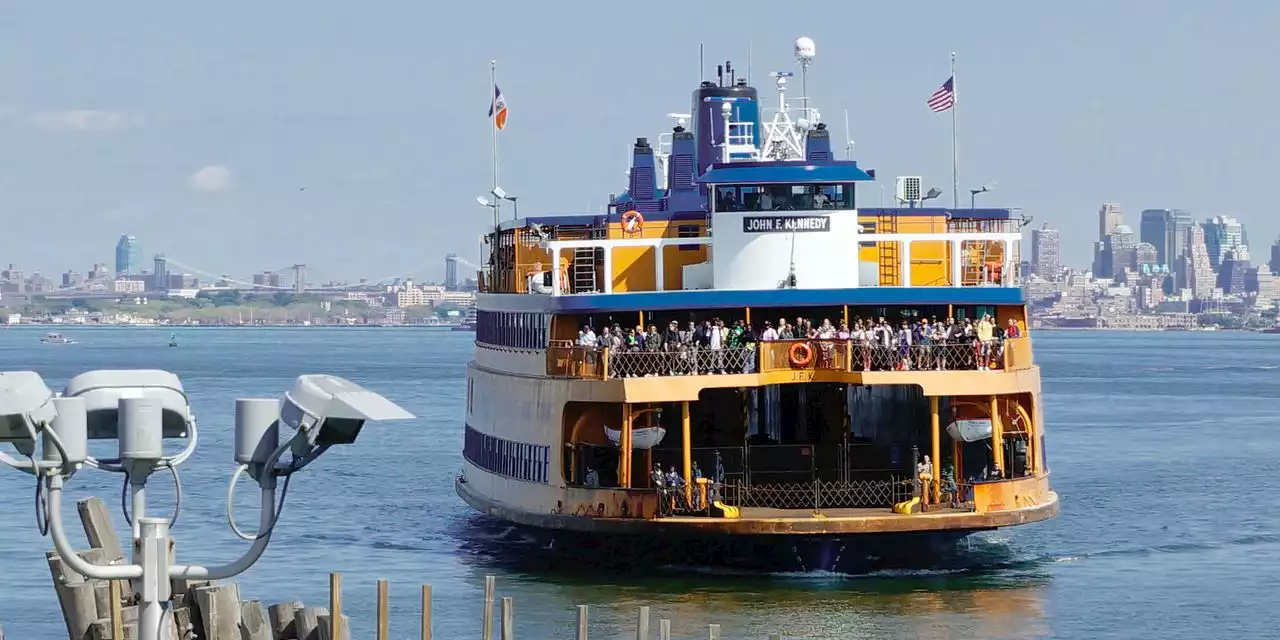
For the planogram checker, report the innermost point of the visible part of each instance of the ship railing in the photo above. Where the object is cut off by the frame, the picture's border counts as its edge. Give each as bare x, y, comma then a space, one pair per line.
964, 354
681, 361
590, 363
818, 494
850, 356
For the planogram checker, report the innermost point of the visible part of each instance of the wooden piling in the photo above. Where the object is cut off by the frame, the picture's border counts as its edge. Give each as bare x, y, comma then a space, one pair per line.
335, 607
306, 620
508, 619
113, 600
487, 619
330, 623
219, 607
664, 629
254, 624
642, 625
426, 612
582, 622
282, 620
384, 624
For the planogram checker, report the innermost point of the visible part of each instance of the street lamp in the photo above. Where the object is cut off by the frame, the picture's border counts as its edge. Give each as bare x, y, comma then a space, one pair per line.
933, 194
515, 207
140, 409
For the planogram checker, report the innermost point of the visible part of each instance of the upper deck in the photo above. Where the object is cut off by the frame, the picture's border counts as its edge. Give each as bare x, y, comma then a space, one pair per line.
870, 256
723, 217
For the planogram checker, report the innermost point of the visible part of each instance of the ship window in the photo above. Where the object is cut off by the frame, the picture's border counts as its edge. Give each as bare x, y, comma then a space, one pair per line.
688, 231
867, 227
518, 460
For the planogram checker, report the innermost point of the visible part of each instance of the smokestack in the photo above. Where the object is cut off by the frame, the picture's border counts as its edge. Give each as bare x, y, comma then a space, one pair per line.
728, 71
720, 75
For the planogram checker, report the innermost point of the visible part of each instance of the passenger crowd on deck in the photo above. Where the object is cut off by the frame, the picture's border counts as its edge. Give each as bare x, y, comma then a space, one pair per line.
716, 347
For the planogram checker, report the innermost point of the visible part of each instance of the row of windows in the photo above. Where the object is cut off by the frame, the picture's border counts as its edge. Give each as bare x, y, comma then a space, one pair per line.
527, 462
522, 330
784, 197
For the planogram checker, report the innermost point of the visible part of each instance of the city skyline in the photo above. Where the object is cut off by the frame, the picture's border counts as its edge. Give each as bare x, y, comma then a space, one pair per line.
351, 132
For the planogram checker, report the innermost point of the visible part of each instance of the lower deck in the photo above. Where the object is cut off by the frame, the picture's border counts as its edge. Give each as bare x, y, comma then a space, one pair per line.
1029, 500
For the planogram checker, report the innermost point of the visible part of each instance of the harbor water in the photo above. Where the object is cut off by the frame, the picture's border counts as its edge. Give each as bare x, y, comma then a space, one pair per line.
1163, 448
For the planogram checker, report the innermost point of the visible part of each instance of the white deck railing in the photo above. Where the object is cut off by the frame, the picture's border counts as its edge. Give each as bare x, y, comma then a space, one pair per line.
1008, 276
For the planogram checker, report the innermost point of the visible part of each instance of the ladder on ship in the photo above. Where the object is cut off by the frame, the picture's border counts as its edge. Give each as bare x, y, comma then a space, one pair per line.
584, 270
888, 258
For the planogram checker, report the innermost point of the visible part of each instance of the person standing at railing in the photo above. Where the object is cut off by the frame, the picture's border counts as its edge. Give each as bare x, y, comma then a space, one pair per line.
924, 471
904, 338
1013, 331
986, 342
785, 331
716, 340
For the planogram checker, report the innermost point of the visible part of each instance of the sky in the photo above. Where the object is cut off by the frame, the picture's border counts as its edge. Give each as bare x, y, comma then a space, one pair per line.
239, 137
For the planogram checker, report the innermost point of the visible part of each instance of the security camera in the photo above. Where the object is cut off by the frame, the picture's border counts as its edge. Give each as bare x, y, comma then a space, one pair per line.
103, 390
25, 401
332, 410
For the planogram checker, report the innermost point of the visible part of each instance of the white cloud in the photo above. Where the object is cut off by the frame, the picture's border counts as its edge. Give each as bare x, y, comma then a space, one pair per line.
79, 120
214, 177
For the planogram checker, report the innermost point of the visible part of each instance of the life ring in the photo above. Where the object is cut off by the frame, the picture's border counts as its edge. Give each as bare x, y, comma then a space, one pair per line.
800, 355
632, 222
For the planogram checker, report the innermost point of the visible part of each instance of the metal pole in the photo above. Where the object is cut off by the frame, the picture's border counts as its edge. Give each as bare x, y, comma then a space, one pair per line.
493, 124
151, 552
955, 174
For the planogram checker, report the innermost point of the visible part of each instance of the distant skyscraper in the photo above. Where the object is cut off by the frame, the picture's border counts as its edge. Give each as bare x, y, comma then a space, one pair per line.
1108, 219
1046, 260
127, 259
160, 273
1223, 234
451, 271
1275, 256
1121, 247
1166, 230
1199, 271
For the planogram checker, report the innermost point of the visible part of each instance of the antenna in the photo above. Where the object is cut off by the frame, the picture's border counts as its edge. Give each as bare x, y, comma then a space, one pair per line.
848, 138
702, 65
749, 62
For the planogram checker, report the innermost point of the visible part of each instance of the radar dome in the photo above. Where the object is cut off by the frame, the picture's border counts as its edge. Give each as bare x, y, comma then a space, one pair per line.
805, 48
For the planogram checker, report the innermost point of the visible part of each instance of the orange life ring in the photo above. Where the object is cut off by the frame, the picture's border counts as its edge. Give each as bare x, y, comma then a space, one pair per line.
800, 355
632, 222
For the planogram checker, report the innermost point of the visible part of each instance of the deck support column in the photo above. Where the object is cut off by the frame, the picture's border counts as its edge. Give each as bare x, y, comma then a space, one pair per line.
936, 457
687, 450
624, 442
997, 435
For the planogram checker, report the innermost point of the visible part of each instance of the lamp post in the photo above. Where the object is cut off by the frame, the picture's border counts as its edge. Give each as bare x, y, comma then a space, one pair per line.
973, 195
515, 206
142, 408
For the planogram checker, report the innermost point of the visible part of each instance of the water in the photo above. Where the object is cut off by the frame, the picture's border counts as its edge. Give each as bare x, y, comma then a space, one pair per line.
1163, 448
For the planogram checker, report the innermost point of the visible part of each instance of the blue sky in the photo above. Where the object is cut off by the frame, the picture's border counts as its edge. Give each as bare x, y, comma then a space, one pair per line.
353, 136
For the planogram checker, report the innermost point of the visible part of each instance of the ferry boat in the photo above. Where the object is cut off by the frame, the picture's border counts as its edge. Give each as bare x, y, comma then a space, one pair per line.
756, 448
468, 321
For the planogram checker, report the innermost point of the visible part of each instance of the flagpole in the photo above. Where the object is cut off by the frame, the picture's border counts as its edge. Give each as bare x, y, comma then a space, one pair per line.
493, 124
955, 174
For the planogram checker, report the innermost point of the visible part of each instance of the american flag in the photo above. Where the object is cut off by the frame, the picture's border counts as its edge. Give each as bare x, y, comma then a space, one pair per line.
945, 97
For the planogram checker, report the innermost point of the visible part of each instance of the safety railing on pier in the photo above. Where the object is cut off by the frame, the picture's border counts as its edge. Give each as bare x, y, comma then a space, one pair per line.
851, 356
